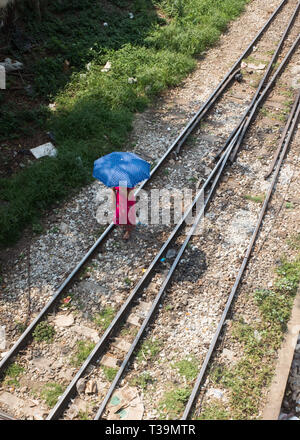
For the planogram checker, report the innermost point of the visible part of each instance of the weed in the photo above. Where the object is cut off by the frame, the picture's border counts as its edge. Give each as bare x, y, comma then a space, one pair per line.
127, 281
44, 332
143, 380
51, 392
173, 402
104, 318
84, 348
12, 374
109, 372
187, 368
214, 411
289, 205
83, 415
20, 327
169, 307
149, 349
294, 241
256, 199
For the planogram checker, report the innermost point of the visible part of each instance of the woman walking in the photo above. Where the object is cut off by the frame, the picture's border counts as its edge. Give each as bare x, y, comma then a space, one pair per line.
124, 202
122, 171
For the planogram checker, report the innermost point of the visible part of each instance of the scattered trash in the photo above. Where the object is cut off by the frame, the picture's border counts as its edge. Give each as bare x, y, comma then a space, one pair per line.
216, 393
11, 66
256, 66
171, 253
162, 260
107, 67
131, 15
105, 24
239, 77
47, 149
125, 404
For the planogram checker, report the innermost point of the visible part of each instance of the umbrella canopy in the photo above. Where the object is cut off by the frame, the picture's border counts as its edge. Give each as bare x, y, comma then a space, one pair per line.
121, 169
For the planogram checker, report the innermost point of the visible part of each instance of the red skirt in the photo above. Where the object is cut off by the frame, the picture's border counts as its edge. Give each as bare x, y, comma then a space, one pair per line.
125, 206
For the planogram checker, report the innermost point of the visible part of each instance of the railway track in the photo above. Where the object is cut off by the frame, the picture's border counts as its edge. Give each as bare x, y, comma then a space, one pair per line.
151, 289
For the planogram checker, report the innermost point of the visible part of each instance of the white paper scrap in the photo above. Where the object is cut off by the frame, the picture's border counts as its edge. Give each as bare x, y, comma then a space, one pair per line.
47, 149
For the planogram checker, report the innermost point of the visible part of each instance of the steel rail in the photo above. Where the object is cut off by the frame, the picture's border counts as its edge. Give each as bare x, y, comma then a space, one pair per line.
274, 58
99, 348
263, 95
285, 142
195, 120
101, 345
284, 133
167, 280
48, 307
175, 263
27, 334
179, 141
262, 82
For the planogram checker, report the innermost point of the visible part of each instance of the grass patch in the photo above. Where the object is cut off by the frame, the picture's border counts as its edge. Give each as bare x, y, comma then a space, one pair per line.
105, 317
187, 368
12, 374
173, 403
256, 199
94, 109
51, 392
214, 411
84, 348
143, 380
149, 350
44, 332
109, 372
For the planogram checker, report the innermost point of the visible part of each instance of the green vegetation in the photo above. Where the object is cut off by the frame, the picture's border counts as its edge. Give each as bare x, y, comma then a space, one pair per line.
109, 372
127, 281
51, 392
246, 380
289, 205
83, 415
94, 110
214, 411
143, 380
149, 349
104, 318
187, 368
84, 348
12, 374
256, 199
173, 402
44, 332
294, 241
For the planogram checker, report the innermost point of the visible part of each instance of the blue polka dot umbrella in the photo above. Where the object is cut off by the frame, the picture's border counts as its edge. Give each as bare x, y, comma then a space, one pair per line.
121, 169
